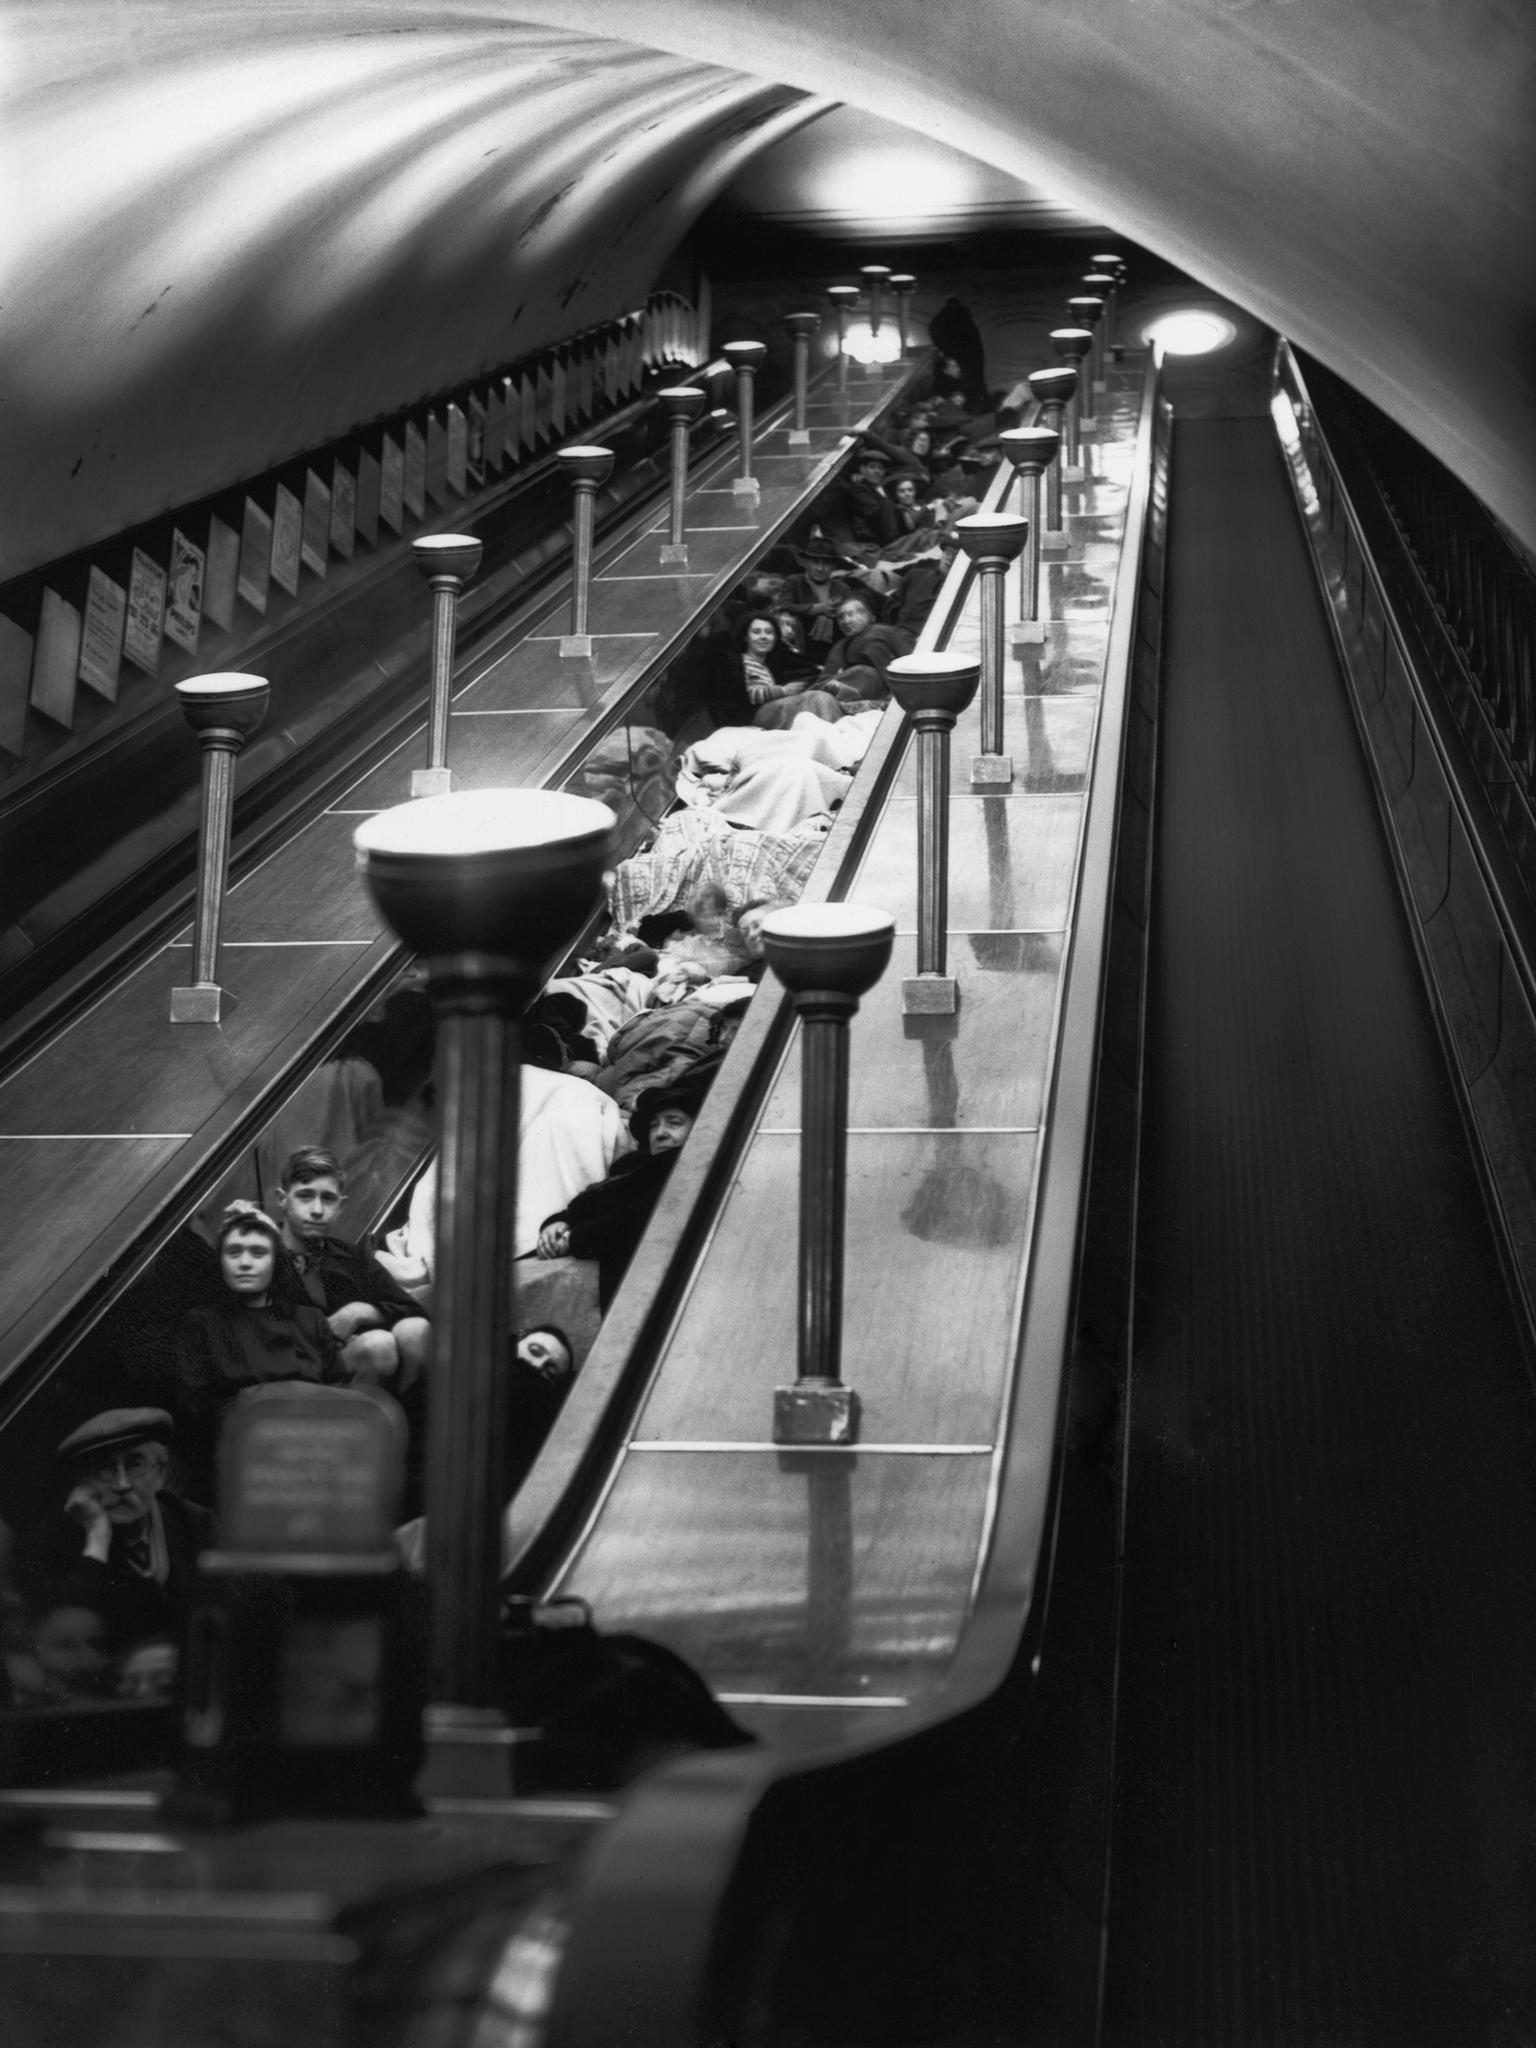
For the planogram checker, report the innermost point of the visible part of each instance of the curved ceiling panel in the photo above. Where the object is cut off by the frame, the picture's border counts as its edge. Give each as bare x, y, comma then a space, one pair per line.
238, 230
1359, 175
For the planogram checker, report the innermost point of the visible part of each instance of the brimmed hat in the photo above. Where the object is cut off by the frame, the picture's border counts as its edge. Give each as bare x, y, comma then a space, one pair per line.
117, 1429
817, 548
686, 1093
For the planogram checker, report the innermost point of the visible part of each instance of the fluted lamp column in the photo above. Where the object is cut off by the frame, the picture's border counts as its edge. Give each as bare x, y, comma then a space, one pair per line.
684, 403
992, 540
933, 689
586, 468
223, 710
1102, 285
1114, 267
1072, 345
488, 887
844, 297
827, 955
447, 561
875, 276
1053, 391
903, 285
1087, 310
746, 358
1031, 450
803, 329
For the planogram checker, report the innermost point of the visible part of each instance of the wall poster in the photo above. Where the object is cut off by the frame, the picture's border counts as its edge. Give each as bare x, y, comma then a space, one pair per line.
101, 637
56, 659
415, 470
184, 593
255, 556
343, 511
392, 485
221, 574
315, 544
287, 540
146, 613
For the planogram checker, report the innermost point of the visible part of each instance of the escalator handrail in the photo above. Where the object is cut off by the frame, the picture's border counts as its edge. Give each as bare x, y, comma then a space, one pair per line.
716, 1803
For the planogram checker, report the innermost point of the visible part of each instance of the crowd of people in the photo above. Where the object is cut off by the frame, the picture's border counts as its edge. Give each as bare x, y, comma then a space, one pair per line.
760, 730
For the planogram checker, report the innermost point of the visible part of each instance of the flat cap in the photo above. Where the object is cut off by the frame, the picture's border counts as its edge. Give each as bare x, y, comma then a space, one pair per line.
115, 1429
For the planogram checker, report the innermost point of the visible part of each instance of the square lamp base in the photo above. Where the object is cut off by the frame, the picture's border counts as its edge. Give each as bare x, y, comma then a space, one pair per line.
576, 647
799, 437
1027, 633
1055, 540
200, 1004
930, 995
675, 552
469, 1754
746, 487
1072, 473
991, 771
816, 1412
430, 782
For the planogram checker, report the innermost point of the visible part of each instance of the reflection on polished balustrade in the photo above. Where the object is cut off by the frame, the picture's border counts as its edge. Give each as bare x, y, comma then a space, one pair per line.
825, 1590
110, 1124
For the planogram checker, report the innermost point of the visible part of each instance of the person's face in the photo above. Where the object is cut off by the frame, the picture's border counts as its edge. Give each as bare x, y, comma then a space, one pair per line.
309, 1208
872, 472
542, 1352
148, 1673
921, 442
246, 1259
761, 637
819, 568
126, 1481
905, 490
72, 1649
750, 925
854, 616
669, 1128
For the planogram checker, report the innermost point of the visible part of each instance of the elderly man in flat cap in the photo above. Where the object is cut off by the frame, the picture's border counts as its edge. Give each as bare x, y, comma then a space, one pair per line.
120, 1535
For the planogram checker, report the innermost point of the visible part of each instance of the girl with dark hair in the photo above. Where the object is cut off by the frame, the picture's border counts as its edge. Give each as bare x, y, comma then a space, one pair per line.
759, 669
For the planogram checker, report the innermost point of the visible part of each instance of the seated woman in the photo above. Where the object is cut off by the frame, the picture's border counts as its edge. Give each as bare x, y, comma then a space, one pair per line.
607, 1221
758, 669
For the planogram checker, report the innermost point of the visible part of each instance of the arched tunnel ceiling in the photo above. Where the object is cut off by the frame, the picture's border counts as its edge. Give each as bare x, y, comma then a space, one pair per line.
233, 228
237, 230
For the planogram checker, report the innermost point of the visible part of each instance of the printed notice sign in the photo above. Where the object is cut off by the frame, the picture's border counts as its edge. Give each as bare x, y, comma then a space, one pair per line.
146, 613
458, 452
392, 485
315, 541
255, 556
15, 682
369, 482
494, 431
558, 385
437, 460
415, 470
287, 540
343, 511
222, 573
318, 1474
474, 440
184, 593
56, 659
544, 408
101, 639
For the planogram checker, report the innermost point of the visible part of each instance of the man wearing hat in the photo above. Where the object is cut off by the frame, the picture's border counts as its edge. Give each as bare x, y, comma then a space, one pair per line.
120, 1534
607, 1221
816, 592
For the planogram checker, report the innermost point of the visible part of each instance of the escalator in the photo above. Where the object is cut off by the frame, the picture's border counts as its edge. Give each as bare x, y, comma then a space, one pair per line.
1325, 1756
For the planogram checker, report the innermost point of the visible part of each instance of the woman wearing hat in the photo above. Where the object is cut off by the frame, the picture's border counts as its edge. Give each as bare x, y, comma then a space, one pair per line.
606, 1222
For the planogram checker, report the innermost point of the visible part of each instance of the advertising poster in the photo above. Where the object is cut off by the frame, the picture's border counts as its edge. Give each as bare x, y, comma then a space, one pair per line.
495, 434
222, 574
474, 441
415, 470
101, 637
184, 593
392, 485
369, 492
15, 683
528, 406
457, 457
437, 460
343, 511
146, 613
544, 408
315, 541
287, 540
56, 660
255, 556
557, 396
